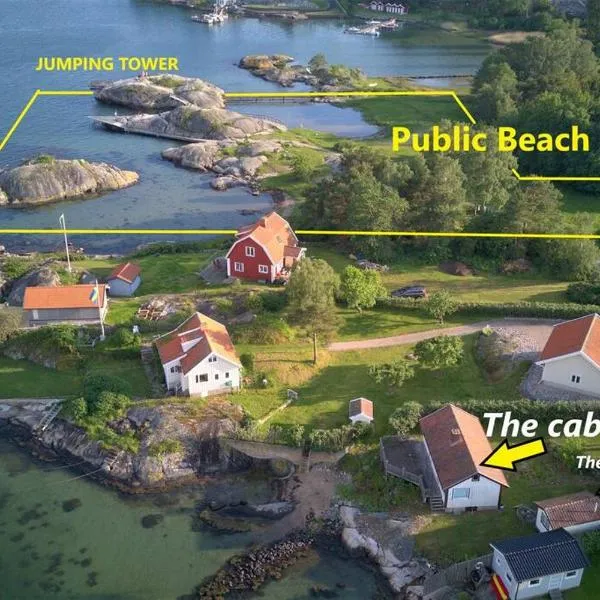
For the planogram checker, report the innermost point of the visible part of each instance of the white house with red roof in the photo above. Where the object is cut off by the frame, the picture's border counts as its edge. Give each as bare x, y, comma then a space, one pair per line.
456, 445
571, 356
198, 358
124, 280
264, 251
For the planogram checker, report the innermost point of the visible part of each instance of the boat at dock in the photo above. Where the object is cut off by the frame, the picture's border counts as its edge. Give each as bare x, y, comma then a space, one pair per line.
218, 14
374, 31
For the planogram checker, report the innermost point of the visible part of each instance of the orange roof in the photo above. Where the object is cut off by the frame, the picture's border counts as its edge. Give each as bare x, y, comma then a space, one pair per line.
272, 232
457, 444
207, 335
126, 272
360, 406
578, 335
67, 296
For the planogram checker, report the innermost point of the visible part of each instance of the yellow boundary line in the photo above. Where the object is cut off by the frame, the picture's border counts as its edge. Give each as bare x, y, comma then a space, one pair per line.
323, 232
365, 94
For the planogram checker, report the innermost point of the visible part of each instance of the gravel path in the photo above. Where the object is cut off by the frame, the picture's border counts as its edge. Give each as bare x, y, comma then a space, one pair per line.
537, 330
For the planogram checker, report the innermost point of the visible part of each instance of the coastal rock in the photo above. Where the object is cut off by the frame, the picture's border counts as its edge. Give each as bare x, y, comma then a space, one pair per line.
161, 92
239, 167
197, 124
353, 540
277, 68
200, 155
3, 197
44, 276
226, 182
259, 147
40, 181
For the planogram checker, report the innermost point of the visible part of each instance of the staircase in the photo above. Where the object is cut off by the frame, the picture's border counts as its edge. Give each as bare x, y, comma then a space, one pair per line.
110, 459
555, 595
436, 504
149, 364
49, 416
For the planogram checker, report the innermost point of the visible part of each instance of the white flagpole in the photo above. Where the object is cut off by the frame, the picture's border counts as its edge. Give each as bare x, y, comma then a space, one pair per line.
102, 336
63, 223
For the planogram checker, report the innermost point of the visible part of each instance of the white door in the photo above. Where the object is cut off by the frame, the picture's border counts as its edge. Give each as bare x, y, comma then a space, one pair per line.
555, 581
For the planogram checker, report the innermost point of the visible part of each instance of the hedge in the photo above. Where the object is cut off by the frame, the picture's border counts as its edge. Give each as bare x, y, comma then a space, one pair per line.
522, 408
539, 310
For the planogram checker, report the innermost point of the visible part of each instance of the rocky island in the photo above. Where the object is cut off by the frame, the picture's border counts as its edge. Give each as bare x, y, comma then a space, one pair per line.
47, 179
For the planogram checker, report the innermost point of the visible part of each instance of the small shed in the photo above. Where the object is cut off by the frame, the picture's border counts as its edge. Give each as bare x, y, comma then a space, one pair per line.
577, 513
539, 564
124, 280
360, 410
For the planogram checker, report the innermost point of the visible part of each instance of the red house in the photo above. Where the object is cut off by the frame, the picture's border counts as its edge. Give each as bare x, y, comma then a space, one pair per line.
264, 251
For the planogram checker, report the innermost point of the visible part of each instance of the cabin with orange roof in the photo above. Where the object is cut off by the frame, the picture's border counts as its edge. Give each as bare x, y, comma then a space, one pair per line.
124, 280
52, 305
199, 359
264, 251
571, 356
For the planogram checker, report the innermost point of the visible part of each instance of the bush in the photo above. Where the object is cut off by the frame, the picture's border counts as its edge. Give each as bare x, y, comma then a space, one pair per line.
123, 337
405, 418
440, 352
254, 302
95, 385
569, 450
273, 301
224, 305
540, 310
441, 305
247, 360
108, 405
10, 321
584, 293
392, 374
591, 543
164, 447
76, 408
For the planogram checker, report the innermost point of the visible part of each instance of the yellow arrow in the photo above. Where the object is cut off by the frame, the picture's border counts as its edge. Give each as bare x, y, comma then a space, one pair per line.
506, 457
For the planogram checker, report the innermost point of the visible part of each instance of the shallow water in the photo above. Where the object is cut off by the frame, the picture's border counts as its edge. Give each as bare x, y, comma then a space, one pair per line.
168, 197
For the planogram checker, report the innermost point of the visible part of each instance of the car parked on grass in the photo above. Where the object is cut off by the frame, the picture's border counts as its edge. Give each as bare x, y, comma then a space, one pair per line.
411, 291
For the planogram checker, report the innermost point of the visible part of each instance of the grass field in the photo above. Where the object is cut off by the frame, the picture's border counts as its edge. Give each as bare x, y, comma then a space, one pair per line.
24, 379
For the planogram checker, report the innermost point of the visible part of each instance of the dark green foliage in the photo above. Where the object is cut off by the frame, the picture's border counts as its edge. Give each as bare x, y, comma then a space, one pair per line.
360, 287
273, 301
440, 352
591, 543
76, 408
569, 450
405, 418
441, 305
247, 360
10, 321
584, 292
108, 405
265, 329
393, 374
95, 385
181, 247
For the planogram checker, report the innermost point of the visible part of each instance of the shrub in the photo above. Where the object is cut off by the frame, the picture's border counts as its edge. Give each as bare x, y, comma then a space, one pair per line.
108, 405
392, 374
95, 385
254, 302
405, 418
224, 305
76, 408
569, 450
273, 301
584, 293
591, 543
10, 321
440, 352
247, 360
123, 337
441, 305
164, 447
361, 288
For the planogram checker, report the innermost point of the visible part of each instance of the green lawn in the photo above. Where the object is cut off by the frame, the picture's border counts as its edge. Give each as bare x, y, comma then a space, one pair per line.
323, 400
24, 379
451, 538
161, 274
484, 286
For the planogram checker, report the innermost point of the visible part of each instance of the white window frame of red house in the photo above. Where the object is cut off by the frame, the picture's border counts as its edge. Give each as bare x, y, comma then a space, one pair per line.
263, 269
250, 251
238, 267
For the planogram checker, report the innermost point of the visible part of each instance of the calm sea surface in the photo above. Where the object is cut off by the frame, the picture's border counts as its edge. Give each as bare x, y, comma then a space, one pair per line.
168, 197
100, 550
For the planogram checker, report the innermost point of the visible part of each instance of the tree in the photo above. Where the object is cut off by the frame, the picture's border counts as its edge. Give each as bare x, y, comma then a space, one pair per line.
440, 305
440, 352
405, 418
10, 321
311, 295
301, 166
593, 22
361, 288
393, 374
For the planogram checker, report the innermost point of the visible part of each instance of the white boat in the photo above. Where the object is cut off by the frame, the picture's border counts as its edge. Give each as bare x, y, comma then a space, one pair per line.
363, 31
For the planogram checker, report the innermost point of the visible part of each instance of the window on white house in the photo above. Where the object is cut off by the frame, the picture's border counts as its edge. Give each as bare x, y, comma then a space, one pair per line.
227, 375
461, 493
212, 359
575, 378
534, 582
571, 574
545, 521
263, 269
238, 267
508, 576
475, 477
176, 369
202, 378
216, 376
250, 251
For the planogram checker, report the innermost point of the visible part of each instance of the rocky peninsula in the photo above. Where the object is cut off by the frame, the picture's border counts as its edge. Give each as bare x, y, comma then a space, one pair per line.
46, 179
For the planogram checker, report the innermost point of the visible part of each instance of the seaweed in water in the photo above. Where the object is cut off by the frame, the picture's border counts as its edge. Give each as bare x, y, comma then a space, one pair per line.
70, 505
92, 578
152, 520
17, 537
82, 550
86, 562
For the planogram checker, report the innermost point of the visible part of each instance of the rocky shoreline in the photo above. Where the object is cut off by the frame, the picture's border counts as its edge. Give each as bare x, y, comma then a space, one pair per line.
46, 179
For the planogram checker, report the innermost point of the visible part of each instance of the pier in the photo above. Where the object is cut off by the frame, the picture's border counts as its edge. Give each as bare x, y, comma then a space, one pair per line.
114, 124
